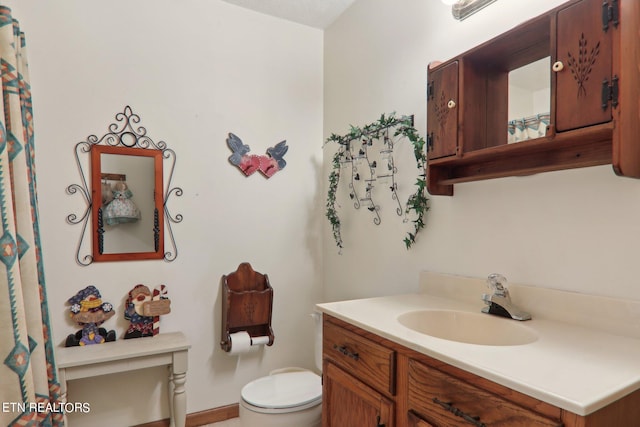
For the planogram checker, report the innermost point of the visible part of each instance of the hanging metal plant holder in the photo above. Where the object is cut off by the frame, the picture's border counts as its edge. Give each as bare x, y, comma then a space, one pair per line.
367, 156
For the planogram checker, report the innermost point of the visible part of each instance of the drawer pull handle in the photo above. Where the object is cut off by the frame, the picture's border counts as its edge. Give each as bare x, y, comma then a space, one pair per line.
457, 412
344, 350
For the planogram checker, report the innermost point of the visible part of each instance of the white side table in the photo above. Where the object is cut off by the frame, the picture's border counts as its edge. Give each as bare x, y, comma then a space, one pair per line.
127, 355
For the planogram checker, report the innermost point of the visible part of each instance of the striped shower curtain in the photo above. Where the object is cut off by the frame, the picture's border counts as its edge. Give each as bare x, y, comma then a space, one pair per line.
29, 389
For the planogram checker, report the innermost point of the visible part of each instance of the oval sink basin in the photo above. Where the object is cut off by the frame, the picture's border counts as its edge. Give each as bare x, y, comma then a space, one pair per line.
466, 327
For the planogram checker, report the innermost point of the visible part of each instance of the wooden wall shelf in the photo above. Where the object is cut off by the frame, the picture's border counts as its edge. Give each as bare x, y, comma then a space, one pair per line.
247, 302
593, 47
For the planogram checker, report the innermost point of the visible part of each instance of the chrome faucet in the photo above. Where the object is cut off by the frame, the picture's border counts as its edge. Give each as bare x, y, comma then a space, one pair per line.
499, 302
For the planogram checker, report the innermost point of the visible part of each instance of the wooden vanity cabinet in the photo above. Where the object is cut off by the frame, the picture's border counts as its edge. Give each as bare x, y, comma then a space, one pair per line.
369, 381
358, 378
594, 87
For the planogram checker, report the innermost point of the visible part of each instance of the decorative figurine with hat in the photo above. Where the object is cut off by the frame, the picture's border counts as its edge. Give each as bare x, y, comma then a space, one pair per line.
143, 310
88, 310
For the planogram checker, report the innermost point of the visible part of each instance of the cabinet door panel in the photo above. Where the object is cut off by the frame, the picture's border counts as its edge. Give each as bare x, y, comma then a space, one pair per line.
585, 50
347, 402
442, 111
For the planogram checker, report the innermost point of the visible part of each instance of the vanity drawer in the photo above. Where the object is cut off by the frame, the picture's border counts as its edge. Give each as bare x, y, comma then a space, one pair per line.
372, 363
444, 400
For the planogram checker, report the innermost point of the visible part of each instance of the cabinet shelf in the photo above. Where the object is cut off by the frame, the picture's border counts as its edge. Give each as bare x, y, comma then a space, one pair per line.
575, 149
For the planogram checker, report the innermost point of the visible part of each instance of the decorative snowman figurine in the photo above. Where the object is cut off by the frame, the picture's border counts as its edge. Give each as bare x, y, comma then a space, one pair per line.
88, 310
143, 310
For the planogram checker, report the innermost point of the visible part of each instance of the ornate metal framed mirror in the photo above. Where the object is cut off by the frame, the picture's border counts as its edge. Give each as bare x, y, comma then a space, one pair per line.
126, 203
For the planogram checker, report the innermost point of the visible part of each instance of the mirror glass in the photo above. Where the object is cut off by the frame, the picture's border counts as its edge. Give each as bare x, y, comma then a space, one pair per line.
127, 196
529, 101
127, 210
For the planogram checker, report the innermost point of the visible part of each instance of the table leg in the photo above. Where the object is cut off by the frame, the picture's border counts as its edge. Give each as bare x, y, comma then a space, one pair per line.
179, 377
171, 387
179, 399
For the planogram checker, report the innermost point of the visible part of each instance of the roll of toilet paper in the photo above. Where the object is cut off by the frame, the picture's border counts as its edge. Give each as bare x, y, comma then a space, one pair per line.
263, 340
241, 342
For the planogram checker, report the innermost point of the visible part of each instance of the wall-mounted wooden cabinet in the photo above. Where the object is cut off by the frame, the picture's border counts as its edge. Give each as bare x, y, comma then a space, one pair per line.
589, 115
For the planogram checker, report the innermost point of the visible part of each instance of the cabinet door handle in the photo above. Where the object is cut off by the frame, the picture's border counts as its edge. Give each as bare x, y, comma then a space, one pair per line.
457, 412
344, 350
558, 66
451, 104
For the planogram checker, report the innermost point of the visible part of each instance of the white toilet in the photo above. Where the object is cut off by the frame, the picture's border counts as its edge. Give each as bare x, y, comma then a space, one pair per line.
289, 397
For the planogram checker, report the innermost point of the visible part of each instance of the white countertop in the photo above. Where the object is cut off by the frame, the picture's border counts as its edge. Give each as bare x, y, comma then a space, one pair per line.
570, 366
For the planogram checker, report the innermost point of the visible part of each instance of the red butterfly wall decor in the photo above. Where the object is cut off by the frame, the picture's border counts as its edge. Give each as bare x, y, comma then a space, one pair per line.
268, 164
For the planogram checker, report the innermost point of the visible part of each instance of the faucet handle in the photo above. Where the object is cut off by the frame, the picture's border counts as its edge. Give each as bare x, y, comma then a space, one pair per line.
498, 284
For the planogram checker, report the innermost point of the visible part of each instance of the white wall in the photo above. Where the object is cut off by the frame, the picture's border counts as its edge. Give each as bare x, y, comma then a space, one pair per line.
573, 230
193, 70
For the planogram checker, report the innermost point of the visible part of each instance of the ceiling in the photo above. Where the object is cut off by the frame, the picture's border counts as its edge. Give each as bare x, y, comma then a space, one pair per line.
314, 13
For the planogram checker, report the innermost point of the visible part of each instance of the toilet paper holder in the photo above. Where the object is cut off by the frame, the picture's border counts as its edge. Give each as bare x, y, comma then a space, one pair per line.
247, 302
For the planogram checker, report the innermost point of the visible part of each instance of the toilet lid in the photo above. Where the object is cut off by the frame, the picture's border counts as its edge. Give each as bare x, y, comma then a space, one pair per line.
284, 390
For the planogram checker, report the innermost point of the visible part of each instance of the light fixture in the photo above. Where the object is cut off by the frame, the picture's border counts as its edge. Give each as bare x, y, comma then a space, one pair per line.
462, 9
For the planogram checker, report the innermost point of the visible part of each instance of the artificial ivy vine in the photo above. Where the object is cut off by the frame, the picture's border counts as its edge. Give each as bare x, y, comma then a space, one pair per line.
417, 202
